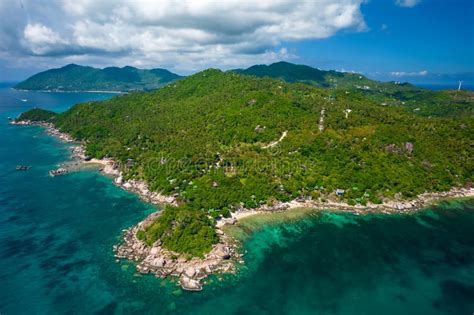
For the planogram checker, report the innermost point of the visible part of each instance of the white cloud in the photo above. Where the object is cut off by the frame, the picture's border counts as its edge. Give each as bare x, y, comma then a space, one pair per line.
409, 74
41, 39
407, 3
181, 34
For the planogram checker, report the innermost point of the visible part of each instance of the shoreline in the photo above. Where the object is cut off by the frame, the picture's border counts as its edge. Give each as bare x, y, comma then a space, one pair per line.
420, 202
79, 91
224, 255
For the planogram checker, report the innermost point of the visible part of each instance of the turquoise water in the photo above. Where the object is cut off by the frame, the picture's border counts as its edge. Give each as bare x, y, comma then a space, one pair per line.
56, 237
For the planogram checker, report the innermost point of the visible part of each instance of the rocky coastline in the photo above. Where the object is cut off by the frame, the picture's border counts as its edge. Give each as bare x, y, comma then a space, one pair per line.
155, 260
50, 129
108, 166
165, 263
391, 206
224, 255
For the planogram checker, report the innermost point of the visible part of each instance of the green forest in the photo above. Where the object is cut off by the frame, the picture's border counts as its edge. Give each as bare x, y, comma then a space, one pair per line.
400, 94
37, 115
193, 232
211, 140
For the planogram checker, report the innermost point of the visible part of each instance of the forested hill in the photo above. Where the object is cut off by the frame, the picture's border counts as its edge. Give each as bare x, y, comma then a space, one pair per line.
79, 78
407, 96
290, 72
211, 139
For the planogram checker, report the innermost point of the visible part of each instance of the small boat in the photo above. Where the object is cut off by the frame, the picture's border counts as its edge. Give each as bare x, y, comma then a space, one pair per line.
59, 171
22, 167
23, 100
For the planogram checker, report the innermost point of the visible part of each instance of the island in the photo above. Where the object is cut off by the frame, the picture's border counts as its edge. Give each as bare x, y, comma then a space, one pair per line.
217, 146
74, 78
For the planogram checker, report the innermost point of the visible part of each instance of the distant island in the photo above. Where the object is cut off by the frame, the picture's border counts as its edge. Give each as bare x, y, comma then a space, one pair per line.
74, 78
216, 146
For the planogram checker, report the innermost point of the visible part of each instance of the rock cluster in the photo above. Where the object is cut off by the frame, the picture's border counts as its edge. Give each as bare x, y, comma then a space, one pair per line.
141, 188
427, 198
164, 263
393, 148
49, 127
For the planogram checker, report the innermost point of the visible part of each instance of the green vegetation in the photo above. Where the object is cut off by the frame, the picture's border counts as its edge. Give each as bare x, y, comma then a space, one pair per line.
181, 230
205, 140
37, 114
411, 98
78, 78
294, 73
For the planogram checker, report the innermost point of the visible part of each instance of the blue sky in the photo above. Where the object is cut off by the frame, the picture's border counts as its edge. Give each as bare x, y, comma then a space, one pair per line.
433, 36
421, 41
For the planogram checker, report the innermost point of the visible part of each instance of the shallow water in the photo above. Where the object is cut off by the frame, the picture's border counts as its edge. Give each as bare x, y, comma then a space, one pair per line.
339, 263
56, 238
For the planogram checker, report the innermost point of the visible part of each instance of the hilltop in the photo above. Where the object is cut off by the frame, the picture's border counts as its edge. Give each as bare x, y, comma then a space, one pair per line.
292, 73
82, 78
405, 95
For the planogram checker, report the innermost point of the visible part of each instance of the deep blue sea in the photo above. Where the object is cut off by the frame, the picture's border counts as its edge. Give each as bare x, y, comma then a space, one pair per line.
56, 238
